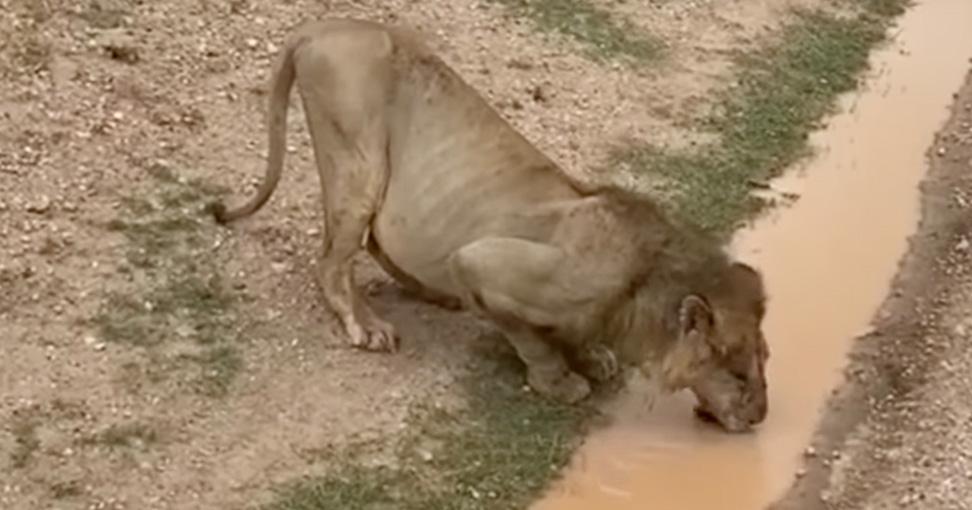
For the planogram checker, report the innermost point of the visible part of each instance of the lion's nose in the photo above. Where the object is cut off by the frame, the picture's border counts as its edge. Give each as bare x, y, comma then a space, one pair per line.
761, 409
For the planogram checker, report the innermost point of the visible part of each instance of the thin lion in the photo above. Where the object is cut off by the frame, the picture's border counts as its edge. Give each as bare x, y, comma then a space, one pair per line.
462, 210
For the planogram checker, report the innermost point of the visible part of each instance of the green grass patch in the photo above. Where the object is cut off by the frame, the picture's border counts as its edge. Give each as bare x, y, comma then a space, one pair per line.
763, 123
177, 292
498, 453
604, 35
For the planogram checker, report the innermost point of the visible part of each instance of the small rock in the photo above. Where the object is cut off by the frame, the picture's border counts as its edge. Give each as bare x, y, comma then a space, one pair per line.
90, 340
941, 151
122, 50
801, 473
810, 452
252, 43
962, 245
41, 206
538, 94
426, 456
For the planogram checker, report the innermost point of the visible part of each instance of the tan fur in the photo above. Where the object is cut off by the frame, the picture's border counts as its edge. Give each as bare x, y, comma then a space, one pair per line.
459, 207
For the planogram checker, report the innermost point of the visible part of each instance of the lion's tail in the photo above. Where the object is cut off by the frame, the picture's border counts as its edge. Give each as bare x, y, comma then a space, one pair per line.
282, 81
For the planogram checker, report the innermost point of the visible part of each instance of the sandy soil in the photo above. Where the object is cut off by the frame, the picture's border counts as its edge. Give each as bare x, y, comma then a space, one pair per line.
897, 434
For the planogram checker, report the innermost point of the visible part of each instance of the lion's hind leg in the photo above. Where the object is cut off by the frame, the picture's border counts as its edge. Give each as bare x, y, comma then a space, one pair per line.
350, 139
350, 205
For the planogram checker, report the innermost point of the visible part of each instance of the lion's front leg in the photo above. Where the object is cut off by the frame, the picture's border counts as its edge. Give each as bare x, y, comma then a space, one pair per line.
547, 371
595, 361
527, 290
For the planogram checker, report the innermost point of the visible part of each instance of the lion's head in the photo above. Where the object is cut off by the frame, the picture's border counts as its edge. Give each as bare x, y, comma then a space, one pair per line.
719, 351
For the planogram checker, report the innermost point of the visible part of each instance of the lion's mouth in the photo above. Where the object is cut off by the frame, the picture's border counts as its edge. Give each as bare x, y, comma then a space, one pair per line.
705, 414
729, 423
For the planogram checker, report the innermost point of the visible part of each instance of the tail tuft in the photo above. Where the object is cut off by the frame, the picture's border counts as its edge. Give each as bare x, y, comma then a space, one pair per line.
218, 210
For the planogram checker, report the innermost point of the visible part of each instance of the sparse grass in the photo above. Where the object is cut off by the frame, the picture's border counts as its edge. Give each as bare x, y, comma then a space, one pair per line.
66, 489
218, 367
128, 435
28, 51
24, 46
105, 14
604, 35
885, 8
498, 453
763, 124
179, 294
507, 445
25, 441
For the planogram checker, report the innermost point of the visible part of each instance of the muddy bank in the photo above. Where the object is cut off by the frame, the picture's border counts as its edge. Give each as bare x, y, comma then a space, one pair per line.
897, 433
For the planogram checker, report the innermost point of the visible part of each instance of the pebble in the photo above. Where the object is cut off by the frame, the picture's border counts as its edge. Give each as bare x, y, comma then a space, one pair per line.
41, 206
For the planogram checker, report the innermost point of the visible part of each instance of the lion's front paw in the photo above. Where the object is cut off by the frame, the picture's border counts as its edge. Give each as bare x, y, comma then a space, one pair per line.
376, 335
598, 363
568, 388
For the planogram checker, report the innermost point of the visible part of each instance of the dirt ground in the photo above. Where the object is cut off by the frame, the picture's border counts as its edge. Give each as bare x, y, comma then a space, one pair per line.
120, 117
897, 434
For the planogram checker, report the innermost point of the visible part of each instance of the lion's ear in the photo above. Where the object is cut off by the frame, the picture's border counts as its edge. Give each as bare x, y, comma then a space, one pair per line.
691, 350
694, 316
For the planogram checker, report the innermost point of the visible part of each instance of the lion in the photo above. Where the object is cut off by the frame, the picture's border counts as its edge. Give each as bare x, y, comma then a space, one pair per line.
584, 281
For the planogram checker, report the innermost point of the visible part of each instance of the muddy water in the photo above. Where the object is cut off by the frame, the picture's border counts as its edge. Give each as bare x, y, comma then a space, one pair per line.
827, 260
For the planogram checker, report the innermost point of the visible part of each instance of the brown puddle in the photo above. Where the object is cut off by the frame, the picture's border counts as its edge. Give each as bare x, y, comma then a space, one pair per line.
828, 261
